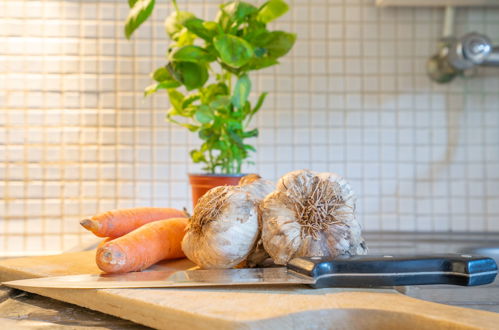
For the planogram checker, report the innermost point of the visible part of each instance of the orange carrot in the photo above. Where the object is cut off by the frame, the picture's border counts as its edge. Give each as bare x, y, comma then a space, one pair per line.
143, 247
104, 241
120, 222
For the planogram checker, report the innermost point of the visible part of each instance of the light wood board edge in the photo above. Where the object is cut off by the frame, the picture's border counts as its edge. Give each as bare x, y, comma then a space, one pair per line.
392, 311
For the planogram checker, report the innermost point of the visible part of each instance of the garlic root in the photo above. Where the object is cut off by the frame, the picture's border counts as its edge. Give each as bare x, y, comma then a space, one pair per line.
310, 214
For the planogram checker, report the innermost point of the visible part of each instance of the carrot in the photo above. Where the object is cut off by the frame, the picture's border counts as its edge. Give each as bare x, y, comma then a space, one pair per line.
120, 222
104, 241
143, 247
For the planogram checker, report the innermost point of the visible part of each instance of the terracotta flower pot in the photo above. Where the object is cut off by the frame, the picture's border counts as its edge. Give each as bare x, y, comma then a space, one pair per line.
201, 183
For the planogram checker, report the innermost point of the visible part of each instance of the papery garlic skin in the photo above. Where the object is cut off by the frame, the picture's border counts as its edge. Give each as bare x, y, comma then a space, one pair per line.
225, 226
296, 221
258, 188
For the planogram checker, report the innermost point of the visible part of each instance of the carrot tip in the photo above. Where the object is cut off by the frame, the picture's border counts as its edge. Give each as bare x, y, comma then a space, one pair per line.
112, 256
107, 257
89, 224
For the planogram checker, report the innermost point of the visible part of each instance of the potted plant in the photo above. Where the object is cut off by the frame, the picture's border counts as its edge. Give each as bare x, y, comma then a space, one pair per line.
207, 79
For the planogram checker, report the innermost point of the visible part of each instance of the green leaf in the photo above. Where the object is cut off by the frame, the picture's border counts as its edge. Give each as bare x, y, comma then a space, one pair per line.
184, 38
220, 145
175, 22
224, 21
234, 124
233, 50
239, 10
211, 50
170, 67
259, 102
220, 102
241, 91
131, 3
231, 125
139, 13
213, 90
205, 133
271, 10
205, 147
191, 53
192, 75
190, 127
176, 99
162, 74
260, 52
161, 85
212, 27
164, 81
197, 156
280, 43
247, 109
204, 114
256, 35
173, 112
236, 138
252, 133
249, 147
200, 28
261, 63
229, 69
188, 100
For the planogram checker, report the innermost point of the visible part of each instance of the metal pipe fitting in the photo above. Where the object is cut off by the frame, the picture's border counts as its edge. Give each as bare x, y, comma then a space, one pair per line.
457, 55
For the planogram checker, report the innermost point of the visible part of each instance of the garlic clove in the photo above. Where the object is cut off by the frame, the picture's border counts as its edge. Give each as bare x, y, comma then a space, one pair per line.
248, 179
281, 230
299, 178
257, 187
225, 227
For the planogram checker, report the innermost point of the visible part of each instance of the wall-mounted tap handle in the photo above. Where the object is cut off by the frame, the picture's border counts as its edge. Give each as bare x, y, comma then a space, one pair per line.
476, 47
469, 51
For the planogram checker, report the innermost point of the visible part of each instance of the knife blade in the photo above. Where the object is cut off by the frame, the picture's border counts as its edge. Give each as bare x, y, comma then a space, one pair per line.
317, 272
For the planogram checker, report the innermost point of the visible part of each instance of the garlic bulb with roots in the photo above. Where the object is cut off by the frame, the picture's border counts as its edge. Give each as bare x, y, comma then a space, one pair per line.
225, 226
311, 214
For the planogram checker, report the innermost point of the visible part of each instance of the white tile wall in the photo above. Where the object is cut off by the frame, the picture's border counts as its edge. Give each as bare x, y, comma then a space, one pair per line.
77, 137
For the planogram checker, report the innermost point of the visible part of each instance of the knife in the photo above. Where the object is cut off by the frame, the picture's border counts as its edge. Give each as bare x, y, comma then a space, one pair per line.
317, 272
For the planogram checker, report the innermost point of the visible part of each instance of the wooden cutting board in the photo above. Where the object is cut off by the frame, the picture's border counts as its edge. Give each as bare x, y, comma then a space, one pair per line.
295, 307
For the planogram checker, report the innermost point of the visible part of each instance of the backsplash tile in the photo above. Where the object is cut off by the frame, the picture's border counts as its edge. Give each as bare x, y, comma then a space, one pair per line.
77, 136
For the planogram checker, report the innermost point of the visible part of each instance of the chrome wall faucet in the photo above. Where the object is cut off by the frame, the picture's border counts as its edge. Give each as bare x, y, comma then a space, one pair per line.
471, 50
458, 56
455, 56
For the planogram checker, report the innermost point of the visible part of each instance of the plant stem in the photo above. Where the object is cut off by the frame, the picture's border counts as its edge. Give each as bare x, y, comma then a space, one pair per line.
175, 5
248, 120
212, 165
239, 163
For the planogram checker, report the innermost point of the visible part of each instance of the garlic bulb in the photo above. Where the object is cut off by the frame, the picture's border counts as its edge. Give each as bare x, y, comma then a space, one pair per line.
225, 225
311, 214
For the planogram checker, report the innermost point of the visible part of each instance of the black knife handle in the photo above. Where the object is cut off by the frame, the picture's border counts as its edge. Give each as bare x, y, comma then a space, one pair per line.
373, 271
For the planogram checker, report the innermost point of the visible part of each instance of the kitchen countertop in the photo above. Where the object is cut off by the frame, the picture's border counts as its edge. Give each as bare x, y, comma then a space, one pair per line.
29, 311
